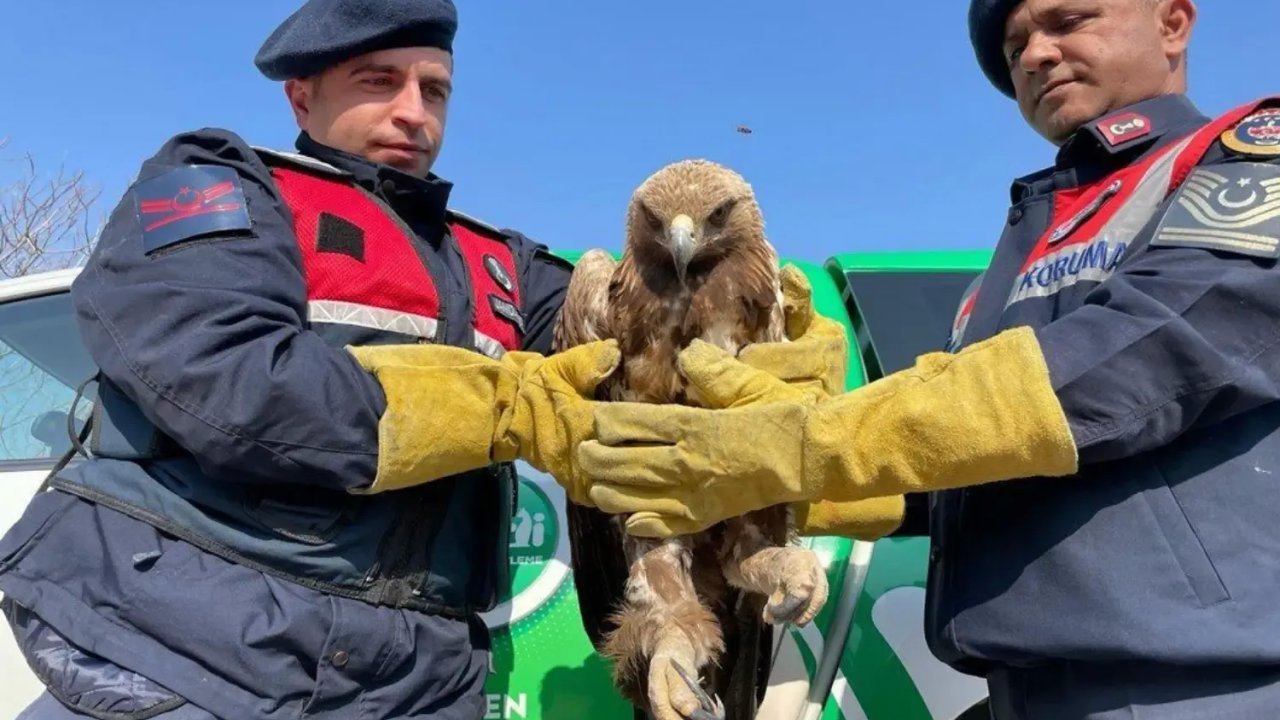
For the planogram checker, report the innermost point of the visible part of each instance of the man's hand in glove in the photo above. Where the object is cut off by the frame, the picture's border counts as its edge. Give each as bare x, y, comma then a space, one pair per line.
985, 414
451, 410
815, 358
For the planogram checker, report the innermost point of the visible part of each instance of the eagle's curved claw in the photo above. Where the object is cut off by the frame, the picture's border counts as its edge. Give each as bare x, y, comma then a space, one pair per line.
801, 588
674, 694
710, 707
788, 607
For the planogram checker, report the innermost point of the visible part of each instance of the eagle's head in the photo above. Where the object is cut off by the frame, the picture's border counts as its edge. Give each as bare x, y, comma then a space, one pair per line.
693, 212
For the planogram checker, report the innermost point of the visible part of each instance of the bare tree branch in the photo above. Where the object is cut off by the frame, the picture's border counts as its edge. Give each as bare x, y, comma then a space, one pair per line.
46, 222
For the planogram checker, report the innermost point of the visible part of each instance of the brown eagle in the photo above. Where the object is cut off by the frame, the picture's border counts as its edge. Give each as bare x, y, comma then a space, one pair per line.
695, 264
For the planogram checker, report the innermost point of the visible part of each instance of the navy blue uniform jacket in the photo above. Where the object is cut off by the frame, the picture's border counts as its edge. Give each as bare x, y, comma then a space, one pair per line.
1163, 346
211, 336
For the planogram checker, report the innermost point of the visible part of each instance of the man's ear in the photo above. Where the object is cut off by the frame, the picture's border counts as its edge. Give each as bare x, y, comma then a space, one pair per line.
300, 92
1176, 18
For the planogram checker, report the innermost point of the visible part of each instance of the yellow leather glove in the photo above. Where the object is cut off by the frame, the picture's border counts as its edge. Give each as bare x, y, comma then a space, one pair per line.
815, 355
815, 359
451, 410
987, 413
869, 519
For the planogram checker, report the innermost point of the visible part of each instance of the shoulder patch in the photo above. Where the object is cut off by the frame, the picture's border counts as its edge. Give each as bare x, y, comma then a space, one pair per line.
282, 157
1257, 135
1232, 207
188, 202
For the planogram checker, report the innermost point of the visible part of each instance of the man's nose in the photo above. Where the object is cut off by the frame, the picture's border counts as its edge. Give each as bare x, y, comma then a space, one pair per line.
408, 107
1041, 52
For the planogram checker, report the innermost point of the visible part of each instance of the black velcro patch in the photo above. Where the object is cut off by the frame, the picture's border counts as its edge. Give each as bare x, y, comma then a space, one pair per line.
336, 235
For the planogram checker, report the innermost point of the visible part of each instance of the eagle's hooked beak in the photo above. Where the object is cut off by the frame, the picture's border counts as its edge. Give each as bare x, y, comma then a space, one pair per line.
680, 241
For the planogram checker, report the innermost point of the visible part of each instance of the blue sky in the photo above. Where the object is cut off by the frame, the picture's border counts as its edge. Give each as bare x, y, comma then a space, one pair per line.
873, 128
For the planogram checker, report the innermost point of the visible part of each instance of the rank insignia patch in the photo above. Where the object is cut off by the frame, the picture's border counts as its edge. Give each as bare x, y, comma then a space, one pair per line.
504, 309
188, 202
1233, 208
1120, 129
1257, 135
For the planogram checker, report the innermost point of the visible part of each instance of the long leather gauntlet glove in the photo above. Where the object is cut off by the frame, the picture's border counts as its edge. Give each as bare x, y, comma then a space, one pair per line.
985, 414
815, 358
451, 410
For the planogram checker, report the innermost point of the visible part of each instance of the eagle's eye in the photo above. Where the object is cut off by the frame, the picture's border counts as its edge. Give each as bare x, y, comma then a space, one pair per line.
655, 223
718, 217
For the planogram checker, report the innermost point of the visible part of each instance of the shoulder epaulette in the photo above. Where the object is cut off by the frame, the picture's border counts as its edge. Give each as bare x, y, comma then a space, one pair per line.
286, 158
480, 224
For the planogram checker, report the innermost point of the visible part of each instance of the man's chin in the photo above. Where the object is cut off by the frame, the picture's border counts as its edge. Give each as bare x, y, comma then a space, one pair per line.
412, 163
1059, 125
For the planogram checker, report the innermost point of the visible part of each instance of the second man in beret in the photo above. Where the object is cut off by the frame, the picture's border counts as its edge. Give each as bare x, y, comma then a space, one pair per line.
1101, 443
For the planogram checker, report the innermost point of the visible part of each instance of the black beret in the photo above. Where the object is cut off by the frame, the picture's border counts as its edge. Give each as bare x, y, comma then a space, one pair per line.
323, 33
986, 31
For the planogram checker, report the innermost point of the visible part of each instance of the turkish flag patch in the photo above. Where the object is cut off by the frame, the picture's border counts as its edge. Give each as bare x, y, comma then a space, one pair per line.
190, 202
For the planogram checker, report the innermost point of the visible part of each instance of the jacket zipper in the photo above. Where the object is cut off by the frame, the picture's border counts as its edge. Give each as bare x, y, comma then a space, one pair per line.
389, 556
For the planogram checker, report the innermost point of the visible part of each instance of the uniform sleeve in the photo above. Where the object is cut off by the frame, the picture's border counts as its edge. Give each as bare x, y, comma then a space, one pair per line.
1180, 337
197, 312
544, 278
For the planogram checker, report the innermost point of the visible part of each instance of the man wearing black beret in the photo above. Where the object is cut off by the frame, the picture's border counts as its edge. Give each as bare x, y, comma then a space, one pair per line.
315, 380
1102, 443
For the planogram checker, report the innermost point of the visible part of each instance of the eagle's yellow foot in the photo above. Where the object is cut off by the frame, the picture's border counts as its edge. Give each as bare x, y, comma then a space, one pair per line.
799, 582
674, 694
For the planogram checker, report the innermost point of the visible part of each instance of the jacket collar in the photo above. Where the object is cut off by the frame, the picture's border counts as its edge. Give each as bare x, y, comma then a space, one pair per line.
1102, 146
418, 200
1133, 128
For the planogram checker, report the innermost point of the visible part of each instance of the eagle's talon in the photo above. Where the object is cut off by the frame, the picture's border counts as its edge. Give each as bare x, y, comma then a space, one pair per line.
801, 591
716, 712
788, 607
710, 707
673, 693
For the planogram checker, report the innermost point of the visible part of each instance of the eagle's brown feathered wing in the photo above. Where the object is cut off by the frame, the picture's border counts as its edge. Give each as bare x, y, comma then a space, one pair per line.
599, 566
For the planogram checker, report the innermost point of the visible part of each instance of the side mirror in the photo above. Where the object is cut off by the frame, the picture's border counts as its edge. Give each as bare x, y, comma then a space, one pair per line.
50, 428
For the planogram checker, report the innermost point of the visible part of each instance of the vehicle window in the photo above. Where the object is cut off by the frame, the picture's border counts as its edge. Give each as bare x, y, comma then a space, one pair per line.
42, 362
906, 314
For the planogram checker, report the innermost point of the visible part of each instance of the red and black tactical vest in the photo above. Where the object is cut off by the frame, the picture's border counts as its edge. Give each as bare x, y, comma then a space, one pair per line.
362, 267
439, 547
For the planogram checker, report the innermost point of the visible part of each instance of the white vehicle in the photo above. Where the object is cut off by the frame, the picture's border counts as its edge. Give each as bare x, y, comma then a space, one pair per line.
864, 658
